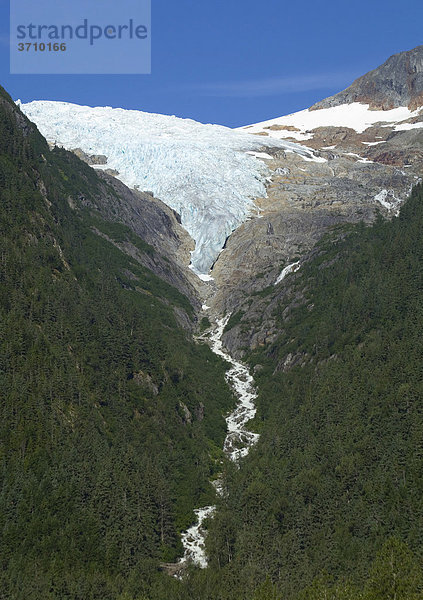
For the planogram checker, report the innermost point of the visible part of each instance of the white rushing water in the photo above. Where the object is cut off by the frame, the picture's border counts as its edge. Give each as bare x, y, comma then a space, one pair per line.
237, 443
238, 440
193, 538
292, 268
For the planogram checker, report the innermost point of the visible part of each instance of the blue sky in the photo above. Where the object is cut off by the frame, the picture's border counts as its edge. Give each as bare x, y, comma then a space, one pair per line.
236, 62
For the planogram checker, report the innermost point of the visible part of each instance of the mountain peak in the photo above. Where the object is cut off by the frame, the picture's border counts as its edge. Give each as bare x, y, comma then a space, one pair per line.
398, 82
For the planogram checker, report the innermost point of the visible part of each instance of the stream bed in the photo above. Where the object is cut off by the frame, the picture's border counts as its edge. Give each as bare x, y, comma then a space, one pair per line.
237, 443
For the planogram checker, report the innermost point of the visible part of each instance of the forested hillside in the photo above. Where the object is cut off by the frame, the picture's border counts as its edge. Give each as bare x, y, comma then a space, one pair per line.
337, 476
112, 421
111, 417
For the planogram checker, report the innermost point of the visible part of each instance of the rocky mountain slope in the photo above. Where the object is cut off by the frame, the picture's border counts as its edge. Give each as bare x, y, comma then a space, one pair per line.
111, 416
209, 174
370, 160
398, 82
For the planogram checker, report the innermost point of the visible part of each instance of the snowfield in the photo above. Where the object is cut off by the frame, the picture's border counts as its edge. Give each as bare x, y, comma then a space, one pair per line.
209, 174
356, 116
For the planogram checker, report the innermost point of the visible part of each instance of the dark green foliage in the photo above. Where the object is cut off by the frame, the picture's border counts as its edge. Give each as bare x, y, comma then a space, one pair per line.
234, 319
111, 418
109, 412
205, 324
339, 465
395, 574
266, 591
325, 588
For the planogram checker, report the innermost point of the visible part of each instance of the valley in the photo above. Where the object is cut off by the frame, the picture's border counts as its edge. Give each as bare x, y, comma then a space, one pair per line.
211, 349
256, 199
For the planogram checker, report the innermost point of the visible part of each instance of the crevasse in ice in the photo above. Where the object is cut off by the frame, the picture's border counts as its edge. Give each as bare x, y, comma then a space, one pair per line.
201, 171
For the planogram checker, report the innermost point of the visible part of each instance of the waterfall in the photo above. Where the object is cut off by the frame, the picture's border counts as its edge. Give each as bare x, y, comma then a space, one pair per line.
237, 443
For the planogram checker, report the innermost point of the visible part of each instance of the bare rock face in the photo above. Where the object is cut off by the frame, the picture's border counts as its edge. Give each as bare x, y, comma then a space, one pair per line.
398, 82
156, 224
305, 200
90, 159
149, 218
357, 175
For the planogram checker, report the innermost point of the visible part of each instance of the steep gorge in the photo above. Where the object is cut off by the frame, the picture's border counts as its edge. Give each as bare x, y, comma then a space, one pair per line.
317, 295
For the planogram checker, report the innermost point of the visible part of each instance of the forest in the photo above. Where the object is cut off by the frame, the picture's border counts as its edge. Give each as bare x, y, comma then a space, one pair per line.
337, 476
112, 416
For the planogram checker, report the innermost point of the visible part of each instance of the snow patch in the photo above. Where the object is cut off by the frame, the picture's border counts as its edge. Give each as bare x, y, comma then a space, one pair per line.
292, 268
408, 126
360, 159
313, 158
373, 143
205, 277
356, 116
261, 155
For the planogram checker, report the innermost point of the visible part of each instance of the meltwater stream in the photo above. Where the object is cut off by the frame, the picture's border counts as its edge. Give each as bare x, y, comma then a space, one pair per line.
237, 442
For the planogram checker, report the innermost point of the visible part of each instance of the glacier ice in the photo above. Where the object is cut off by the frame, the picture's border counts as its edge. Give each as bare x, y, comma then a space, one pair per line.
204, 172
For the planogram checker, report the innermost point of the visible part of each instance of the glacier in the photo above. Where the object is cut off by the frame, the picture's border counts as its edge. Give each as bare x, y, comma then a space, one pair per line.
209, 174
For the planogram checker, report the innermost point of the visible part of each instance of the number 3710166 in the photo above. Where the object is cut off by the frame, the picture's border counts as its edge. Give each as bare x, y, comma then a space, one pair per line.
42, 47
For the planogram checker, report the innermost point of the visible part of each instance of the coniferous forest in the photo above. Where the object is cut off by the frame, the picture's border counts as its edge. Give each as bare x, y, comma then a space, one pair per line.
112, 416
